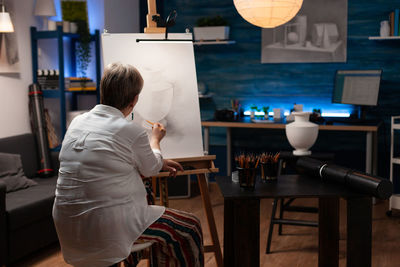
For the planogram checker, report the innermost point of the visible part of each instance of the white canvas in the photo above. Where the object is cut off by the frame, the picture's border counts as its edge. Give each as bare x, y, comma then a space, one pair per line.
170, 94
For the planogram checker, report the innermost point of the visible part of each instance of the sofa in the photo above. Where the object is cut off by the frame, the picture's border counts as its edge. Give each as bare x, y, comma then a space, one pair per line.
26, 223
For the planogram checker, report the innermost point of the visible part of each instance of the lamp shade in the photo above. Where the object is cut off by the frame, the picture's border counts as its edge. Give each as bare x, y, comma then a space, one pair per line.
45, 8
268, 13
5, 22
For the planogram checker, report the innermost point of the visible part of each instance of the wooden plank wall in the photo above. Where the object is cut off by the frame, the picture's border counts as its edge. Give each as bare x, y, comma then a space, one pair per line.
235, 71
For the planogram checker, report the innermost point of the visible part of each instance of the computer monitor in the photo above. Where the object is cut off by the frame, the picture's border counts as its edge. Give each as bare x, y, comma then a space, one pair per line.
357, 87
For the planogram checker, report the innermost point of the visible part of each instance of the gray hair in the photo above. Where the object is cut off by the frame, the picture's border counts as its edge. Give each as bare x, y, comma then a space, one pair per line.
119, 85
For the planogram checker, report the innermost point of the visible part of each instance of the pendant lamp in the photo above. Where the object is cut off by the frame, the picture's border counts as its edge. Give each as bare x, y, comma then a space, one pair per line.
5, 20
268, 13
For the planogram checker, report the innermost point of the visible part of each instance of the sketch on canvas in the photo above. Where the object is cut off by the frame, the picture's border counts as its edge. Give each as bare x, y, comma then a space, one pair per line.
318, 33
9, 59
169, 94
156, 97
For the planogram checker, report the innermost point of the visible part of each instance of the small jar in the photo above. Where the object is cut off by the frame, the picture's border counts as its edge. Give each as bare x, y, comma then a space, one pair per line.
385, 28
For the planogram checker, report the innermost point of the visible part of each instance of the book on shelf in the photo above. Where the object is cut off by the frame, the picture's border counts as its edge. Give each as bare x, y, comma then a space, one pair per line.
79, 84
74, 89
50, 79
396, 22
78, 79
391, 23
87, 84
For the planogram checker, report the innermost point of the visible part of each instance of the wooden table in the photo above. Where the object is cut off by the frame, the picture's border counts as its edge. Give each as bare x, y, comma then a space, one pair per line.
371, 130
242, 219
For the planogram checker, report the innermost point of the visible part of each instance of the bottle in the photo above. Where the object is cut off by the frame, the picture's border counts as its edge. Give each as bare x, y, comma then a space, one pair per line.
385, 28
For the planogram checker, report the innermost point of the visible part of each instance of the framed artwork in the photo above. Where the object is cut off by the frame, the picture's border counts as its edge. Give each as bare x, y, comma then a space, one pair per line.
74, 10
318, 33
9, 58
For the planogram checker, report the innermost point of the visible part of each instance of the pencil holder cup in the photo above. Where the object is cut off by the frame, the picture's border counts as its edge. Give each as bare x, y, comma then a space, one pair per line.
247, 177
269, 171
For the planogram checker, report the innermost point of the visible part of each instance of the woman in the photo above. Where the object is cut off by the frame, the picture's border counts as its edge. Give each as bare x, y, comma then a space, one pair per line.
100, 208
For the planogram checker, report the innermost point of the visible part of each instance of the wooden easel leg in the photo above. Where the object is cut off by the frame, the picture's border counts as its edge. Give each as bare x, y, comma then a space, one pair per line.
154, 185
215, 247
163, 187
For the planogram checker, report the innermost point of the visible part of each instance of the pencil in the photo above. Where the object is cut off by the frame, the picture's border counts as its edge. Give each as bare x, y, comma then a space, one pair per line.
152, 123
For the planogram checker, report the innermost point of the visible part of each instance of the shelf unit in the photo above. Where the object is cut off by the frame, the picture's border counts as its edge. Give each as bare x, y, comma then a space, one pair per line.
394, 202
59, 93
216, 42
379, 38
208, 95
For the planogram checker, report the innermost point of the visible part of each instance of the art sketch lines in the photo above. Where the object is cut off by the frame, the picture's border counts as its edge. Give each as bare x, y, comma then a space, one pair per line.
155, 99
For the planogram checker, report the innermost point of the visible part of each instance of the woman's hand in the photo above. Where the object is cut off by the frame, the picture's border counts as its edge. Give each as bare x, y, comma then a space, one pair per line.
157, 134
172, 167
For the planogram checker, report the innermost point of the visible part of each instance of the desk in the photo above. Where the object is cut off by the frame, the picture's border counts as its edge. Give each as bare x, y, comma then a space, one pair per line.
242, 219
371, 144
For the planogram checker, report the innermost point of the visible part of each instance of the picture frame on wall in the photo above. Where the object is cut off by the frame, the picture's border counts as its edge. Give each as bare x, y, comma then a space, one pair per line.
318, 33
74, 11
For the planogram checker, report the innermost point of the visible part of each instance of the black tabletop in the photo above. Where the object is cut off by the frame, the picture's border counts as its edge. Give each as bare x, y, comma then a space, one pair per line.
324, 156
285, 186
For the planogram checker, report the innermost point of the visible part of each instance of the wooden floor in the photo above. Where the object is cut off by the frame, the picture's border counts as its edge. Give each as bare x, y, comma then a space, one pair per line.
298, 246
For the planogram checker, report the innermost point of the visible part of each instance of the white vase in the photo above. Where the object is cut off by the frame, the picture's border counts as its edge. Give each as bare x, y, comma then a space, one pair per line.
301, 20
66, 26
73, 27
301, 133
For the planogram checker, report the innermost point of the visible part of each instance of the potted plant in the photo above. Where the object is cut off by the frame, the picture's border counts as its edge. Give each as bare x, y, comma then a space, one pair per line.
253, 109
211, 28
76, 12
265, 109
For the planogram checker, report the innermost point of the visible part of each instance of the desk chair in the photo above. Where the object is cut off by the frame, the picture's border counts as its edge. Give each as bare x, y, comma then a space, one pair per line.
287, 158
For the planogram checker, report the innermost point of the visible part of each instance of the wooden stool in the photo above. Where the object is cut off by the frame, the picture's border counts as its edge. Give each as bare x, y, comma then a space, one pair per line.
136, 248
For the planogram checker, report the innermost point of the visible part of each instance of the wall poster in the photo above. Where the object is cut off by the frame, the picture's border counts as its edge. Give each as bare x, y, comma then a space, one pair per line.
318, 33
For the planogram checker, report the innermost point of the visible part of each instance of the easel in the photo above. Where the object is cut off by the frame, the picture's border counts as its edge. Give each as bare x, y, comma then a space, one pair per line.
151, 24
199, 166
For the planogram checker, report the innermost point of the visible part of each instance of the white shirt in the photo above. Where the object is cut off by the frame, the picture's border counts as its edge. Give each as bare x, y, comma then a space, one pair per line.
100, 207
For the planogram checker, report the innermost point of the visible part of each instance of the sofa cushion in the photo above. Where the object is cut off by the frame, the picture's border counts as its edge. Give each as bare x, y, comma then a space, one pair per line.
31, 204
24, 145
12, 174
